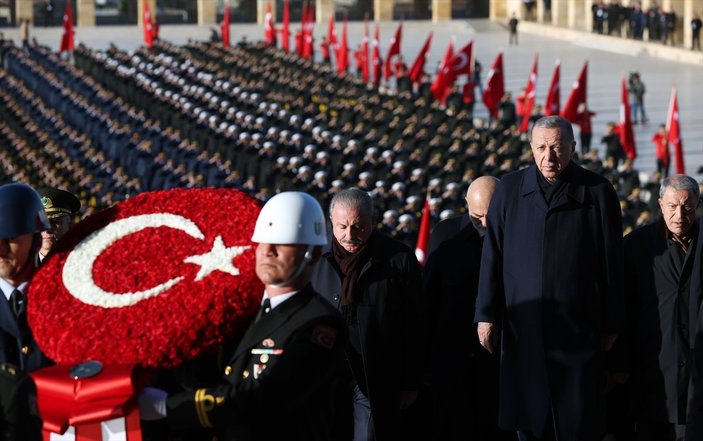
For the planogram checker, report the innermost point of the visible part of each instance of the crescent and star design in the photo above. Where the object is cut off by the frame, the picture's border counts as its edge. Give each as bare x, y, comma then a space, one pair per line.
77, 271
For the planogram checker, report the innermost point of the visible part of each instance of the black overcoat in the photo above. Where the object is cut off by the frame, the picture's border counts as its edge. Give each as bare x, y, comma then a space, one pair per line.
551, 278
386, 295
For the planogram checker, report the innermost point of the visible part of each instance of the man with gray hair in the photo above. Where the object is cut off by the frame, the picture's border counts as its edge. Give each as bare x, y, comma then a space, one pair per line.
662, 312
375, 281
551, 285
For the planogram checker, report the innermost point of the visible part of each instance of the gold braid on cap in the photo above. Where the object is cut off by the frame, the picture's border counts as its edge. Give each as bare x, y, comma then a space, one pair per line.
49, 208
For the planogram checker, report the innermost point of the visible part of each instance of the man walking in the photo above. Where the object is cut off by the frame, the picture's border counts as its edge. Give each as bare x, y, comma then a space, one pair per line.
551, 286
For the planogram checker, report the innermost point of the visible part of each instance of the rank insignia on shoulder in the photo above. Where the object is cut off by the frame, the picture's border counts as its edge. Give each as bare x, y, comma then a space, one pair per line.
324, 336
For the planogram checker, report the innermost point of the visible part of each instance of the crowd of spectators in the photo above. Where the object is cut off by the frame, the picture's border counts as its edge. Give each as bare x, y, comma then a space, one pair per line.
613, 18
113, 124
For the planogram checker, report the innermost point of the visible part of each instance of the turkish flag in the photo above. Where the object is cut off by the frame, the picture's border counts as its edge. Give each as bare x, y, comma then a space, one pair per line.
462, 63
441, 84
343, 52
300, 35
393, 51
269, 26
495, 86
308, 27
627, 138
418, 67
553, 104
577, 99
67, 36
673, 130
332, 36
364, 55
285, 31
376, 57
423, 235
225, 26
104, 293
529, 97
148, 26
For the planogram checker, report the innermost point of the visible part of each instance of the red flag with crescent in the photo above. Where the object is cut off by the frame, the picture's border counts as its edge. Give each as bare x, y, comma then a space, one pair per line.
376, 57
153, 281
495, 86
225, 26
578, 97
285, 30
552, 106
627, 137
673, 129
393, 51
418, 68
529, 97
67, 36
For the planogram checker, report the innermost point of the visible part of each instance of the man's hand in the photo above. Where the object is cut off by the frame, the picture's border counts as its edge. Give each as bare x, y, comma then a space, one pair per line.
487, 336
407, 398
607, 341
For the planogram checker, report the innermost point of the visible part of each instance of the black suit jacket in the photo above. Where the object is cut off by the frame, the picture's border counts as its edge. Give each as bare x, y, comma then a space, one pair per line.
281, 381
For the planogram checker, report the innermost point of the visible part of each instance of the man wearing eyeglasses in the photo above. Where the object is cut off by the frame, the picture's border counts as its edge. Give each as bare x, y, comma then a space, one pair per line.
662, 312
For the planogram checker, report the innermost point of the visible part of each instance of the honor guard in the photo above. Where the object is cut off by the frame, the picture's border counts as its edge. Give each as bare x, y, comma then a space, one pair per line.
22, 219
280, 382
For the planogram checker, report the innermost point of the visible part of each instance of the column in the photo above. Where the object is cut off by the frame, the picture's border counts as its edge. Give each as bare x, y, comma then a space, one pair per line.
688, 12
441, 10
324, 9
383, 10
85, 14
503, 9
23, 9
559, 13
207, 12
140, 11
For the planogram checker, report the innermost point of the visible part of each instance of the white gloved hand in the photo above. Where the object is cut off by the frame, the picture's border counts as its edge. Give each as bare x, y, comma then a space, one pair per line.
152, 404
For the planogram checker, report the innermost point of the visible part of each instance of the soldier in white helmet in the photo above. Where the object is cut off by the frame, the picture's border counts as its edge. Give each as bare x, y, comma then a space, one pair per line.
280, 382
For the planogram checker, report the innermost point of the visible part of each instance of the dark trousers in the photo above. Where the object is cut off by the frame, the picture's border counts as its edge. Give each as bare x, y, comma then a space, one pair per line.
549, 433
659, 432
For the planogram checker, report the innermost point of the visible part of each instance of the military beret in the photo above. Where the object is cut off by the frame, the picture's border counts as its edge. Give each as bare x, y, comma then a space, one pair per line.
58, 203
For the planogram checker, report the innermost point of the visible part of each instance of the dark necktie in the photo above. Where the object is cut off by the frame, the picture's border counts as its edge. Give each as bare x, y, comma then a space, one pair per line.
16, 300
265, 309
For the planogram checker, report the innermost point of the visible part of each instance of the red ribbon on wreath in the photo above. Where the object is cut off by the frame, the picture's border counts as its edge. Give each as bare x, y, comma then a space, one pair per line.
86, 403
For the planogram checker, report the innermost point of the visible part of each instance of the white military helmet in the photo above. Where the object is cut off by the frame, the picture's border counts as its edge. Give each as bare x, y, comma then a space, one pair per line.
289, 218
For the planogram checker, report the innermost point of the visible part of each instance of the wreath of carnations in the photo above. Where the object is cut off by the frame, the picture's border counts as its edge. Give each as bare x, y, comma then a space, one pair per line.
154, 281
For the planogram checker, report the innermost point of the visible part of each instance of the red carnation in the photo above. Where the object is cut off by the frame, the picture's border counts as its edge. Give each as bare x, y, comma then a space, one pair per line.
154, 281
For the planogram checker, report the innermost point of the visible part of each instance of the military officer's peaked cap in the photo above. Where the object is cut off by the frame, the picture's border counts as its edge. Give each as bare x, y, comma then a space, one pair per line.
58, 203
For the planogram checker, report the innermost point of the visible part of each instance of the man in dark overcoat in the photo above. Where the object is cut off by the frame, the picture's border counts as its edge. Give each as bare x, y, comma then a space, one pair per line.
694, 418
661, 312
375, 281
551, 286
464, 377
